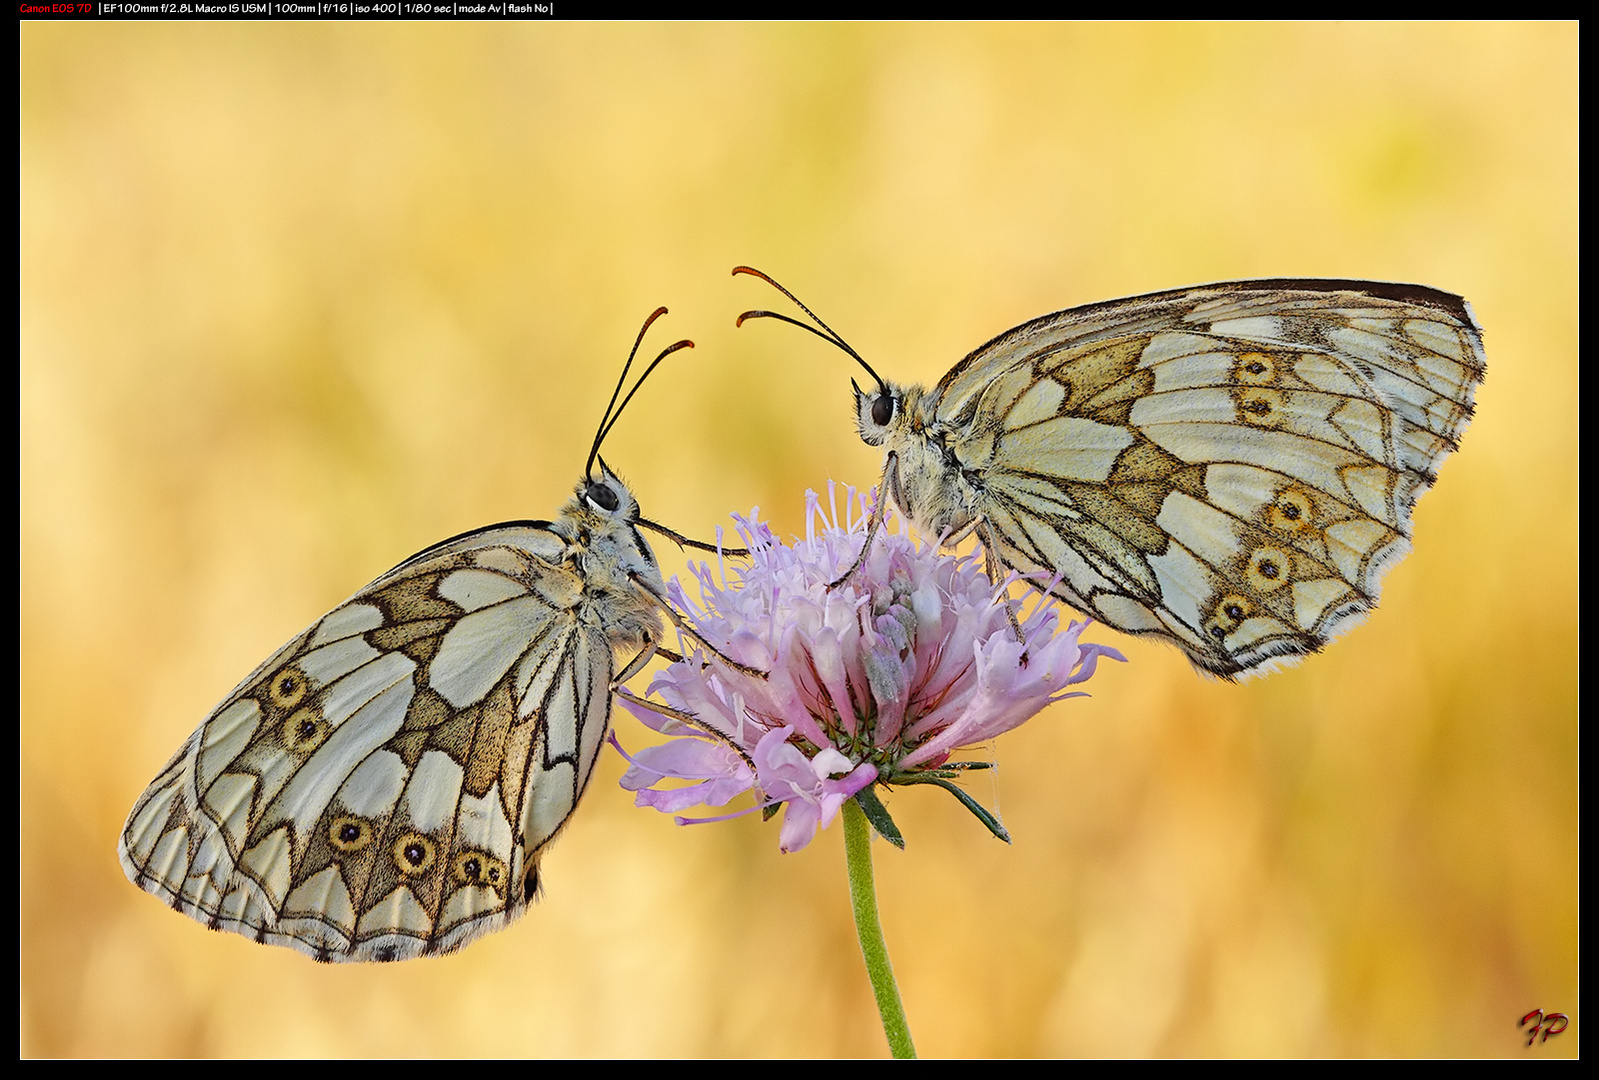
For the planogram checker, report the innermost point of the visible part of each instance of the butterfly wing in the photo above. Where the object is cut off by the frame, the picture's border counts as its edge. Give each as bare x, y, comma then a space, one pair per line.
1231, 467
382, 787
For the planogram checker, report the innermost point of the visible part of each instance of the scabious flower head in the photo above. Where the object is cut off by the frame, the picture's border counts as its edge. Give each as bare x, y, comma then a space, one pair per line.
880, 679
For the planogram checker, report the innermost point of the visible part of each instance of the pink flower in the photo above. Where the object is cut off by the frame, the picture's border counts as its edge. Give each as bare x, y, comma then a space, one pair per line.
881, 679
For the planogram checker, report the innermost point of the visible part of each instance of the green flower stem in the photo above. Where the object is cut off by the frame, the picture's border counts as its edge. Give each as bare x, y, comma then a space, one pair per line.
863, 895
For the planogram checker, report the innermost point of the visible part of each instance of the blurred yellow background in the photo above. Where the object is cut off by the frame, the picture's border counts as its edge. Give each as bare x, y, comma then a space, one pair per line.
299, 300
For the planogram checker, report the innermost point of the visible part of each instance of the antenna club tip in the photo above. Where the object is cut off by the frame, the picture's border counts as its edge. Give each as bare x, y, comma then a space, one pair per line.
649, 322
752, 272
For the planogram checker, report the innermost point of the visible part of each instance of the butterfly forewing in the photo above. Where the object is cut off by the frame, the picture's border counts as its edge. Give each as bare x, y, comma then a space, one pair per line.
383, 786
1229, 467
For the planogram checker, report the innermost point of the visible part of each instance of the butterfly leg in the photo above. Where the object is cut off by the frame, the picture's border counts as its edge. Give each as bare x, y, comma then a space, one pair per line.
949, 540
646, 652
991, 565
890, 474
690, 632
687, 718
682, 541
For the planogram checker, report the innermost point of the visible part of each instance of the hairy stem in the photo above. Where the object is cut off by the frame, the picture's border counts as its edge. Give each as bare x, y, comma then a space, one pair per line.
863, 896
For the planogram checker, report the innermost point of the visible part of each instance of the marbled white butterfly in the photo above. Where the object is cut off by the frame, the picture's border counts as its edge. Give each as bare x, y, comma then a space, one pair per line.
383, 786
1231, 468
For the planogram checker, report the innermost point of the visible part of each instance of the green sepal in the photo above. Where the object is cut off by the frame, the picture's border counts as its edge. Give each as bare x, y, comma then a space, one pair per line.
975, 807
770, 812
878, 815
950, 770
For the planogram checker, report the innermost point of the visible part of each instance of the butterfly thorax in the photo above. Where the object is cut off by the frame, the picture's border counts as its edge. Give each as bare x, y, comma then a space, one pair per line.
607, 552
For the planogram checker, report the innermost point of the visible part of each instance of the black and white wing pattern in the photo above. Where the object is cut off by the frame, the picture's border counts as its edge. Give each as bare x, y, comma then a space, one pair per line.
1231, 468
384, 785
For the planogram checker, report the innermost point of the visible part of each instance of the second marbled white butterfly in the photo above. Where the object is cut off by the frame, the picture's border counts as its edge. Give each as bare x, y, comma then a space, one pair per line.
1230, 468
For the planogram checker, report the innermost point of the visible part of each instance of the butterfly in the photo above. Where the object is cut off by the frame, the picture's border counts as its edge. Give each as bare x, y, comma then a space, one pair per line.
384, 785
1230, 468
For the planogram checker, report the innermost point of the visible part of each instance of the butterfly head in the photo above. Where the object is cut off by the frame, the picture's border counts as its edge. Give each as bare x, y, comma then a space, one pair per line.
604, 514
605, 495
878, 411
605, 498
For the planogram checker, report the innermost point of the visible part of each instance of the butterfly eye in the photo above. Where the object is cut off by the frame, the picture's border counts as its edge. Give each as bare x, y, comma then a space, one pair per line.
602, 497
882, 409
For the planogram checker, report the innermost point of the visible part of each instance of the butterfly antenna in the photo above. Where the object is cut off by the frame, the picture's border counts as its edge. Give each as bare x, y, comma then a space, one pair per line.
830, 335
611, 417
608, 419
668, 351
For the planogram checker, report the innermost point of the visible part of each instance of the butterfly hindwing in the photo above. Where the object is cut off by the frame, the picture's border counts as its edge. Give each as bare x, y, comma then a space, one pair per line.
383, 785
